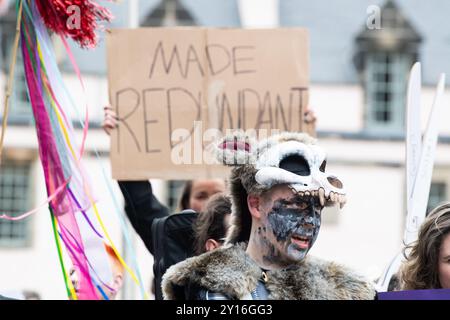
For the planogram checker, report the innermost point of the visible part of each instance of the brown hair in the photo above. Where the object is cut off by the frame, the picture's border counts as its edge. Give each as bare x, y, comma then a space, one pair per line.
420, 271
210, 224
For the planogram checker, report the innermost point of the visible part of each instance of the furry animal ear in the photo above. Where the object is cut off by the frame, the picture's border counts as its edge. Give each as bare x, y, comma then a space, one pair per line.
236, 149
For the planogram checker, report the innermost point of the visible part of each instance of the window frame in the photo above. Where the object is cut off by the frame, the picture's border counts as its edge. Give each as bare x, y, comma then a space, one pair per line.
397, 67
444, 196
20, 109
23, 240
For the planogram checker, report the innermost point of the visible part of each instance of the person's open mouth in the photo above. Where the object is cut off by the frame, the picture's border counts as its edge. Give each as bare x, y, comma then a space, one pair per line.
300, 241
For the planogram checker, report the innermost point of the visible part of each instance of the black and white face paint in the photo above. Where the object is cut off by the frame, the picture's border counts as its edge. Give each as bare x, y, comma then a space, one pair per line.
295, 224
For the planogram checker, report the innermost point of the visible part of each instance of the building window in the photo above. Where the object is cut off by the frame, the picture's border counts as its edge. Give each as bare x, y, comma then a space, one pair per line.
383, 59
20, 108
386, 80
175, 187
20, 103
14, 200
169, 13
438, 194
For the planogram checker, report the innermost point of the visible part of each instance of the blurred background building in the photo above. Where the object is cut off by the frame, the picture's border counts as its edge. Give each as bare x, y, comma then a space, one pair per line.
361, 52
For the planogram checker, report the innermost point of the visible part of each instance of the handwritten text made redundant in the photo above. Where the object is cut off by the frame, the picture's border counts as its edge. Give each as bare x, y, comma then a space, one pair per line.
244, 107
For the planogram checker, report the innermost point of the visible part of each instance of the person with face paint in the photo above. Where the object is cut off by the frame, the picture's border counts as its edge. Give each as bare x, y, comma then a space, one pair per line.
285, 227
279, 187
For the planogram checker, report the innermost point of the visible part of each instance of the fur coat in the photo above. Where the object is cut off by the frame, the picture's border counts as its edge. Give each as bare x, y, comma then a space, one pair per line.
230, 271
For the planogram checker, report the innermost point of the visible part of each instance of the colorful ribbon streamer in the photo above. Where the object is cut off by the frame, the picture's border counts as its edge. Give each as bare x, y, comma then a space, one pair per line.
68, 185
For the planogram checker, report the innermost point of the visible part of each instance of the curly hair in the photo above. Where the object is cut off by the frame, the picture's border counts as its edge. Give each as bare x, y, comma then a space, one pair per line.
420, 271
210, 224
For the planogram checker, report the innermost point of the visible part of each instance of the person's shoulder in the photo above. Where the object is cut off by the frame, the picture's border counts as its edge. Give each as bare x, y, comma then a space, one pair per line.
227, 270
340, 281
175, 222
225, 259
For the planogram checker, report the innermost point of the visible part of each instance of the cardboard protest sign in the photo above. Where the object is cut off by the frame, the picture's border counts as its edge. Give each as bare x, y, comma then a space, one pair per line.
175, 89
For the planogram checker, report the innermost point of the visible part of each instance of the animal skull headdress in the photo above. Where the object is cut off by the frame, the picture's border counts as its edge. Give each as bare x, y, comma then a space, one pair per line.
287, 158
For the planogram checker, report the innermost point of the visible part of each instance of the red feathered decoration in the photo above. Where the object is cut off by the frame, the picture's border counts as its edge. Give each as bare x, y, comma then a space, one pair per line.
77, 19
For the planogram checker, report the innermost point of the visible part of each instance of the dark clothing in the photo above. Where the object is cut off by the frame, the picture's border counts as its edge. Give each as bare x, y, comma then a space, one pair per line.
142, 207
169, 238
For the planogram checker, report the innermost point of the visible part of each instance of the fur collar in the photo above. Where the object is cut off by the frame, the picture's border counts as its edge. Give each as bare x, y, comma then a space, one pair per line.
230, 271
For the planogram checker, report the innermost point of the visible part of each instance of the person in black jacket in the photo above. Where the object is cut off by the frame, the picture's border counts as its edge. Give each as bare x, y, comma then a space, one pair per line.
145, 211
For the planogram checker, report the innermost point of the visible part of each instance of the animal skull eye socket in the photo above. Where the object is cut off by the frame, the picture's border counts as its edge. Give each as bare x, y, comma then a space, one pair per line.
295, 164
323, 165
335, 182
